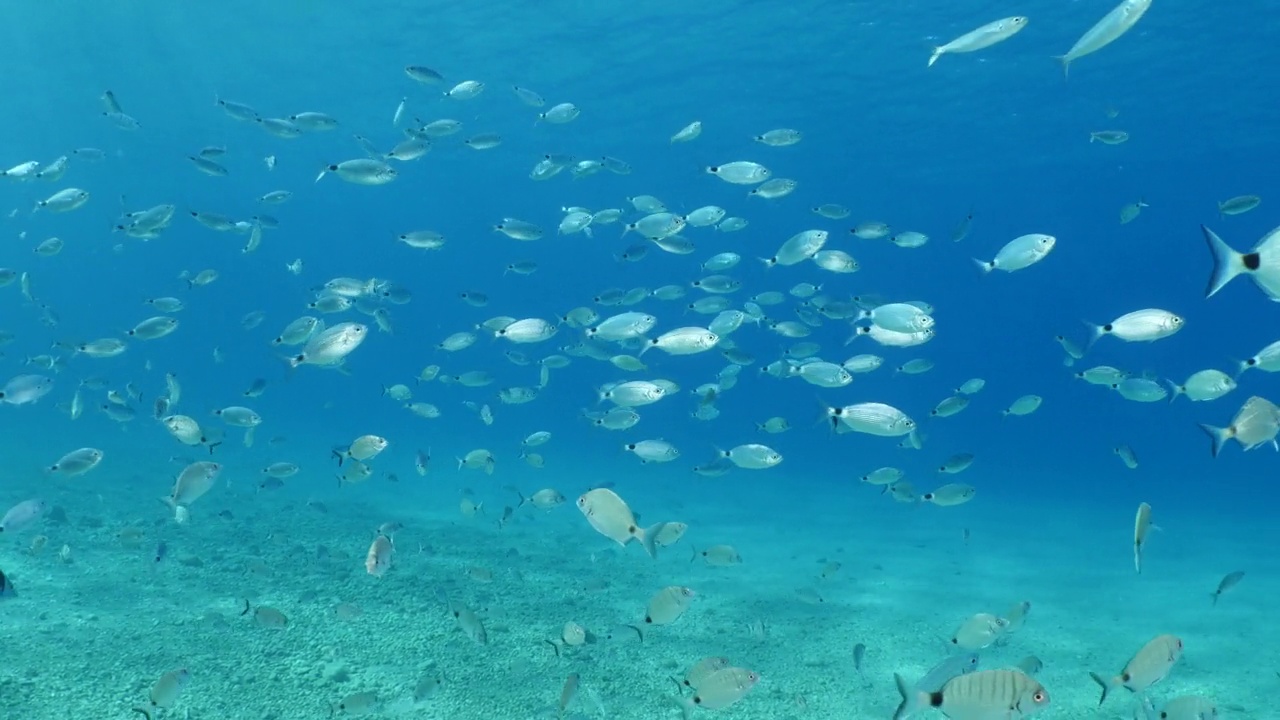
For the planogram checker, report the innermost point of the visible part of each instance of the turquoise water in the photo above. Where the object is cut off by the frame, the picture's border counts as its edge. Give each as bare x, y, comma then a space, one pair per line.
998, 133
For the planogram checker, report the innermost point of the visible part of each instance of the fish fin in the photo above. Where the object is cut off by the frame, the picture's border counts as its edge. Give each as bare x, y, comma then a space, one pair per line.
1095, 333
910, 699
648, 537
1219, 436
1242, 365
1106, 686
985, 266
937, 53
1175, 390
1227, 263
686, 706
1066, 67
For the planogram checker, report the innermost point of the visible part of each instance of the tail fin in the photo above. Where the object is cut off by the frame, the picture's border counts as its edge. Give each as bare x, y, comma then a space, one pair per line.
1095, 333
648, 538
1243, 365
1220, 436
1066, 66
1106, 686
985, 266
686, 706
937, 53
1175, 390
910, 699
1227, 263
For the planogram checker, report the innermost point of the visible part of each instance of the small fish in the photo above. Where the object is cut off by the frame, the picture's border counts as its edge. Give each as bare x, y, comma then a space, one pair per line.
1109, 137
166, 690
267, 617
1141, 527
567, 694
859, 653
1130, 212
1228, 581
1239, 205
469, 623
378, 559
720, 689
1127, 456
983, 37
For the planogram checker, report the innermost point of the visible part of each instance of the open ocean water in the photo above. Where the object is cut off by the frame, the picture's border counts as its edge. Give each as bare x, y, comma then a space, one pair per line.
421, 577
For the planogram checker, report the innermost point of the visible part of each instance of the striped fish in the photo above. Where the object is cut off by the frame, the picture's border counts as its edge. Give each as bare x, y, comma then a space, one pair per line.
935, 679
983, 695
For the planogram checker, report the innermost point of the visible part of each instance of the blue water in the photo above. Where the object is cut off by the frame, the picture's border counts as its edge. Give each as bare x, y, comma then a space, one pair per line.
998, 133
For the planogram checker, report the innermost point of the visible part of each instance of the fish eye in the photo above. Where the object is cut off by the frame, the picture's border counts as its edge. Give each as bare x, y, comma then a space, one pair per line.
1039, 697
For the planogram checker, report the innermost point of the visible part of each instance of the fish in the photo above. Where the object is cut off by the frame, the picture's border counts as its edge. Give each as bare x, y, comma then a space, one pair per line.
668, 604
1228, 581
1106, 31
720, 689
1238, 205
1151, 664
1256, 423
1141, 527
982, 695
378, 559
1147, 325
983, 37
1021, 252
567, 694
859, 653
22, 515
610, 515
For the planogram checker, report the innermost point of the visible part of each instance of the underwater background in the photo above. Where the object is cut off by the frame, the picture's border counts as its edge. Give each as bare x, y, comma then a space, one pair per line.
99, 614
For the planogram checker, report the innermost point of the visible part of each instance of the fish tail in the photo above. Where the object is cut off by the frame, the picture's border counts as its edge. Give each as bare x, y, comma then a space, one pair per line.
648, 538
1214, 597
937, 53
910, 699
984, 266
1106, 686
1220, 436
686, 706
1227, 263
1066, 67
1095, 333
1242, 365
1175, 390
